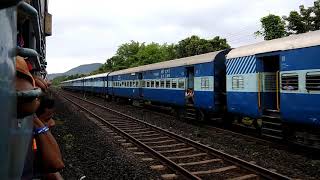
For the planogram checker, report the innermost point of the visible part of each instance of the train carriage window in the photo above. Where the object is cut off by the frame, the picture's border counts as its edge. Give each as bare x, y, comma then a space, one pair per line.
143, 83
152, 84
123, 84
290, 82
157, 84
204, 83
130, 84
148, 83
313, 81
181, 84
237, 82
162, 83
168, 83
174, 83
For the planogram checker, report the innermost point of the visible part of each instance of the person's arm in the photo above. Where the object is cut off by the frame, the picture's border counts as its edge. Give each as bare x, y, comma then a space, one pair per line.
49, 149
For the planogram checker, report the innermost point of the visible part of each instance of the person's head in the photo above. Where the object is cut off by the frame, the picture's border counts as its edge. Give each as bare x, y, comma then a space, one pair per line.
27, 94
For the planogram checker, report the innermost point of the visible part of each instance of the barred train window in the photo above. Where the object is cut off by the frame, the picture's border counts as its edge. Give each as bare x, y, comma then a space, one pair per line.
289, 82
313, 81
168, 83
174, 84
148, 83
181, 83
152, 83
143, 83
237, 82
157, 84
205, 83
162, 83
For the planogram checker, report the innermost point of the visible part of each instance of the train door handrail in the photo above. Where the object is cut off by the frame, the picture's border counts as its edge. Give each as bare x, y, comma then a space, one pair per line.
259, 90
277, 91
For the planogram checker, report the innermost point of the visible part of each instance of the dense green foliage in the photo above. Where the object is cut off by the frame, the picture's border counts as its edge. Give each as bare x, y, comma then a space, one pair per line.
307, 19
134, 54
273, 27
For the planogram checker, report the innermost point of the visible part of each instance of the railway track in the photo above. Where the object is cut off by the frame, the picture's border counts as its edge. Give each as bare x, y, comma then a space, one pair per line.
185, 158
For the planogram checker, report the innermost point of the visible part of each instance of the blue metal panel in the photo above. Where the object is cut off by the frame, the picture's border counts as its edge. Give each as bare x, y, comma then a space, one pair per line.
174, 72
125, 92
299, 59
301, 108
99, 90
125, 77
204, 100
165, 96
243, 103
204, 69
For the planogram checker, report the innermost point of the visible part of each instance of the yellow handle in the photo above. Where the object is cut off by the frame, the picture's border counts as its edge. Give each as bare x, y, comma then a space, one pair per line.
259, 91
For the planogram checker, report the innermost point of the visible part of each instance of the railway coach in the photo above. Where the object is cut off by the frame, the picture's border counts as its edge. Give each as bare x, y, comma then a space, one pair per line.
278, 82
166, 82
274, 84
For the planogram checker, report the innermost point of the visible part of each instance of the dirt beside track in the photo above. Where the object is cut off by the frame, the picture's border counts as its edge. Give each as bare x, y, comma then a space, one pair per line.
88, 151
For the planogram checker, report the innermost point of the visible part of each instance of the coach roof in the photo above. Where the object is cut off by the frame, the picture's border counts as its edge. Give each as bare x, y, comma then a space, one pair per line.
202, 58
97, 75
291, 42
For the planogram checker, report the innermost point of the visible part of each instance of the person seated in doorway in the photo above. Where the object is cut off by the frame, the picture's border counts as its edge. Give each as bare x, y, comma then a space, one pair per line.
189, 96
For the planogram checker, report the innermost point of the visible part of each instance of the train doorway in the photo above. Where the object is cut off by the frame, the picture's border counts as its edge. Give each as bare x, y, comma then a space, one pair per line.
269, 83
190, 78
141, 84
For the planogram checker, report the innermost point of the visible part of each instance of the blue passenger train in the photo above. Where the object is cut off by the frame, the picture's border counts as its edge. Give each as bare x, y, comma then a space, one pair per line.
273, 86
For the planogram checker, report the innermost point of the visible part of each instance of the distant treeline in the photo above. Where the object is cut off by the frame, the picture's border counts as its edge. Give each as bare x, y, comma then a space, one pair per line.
134, 54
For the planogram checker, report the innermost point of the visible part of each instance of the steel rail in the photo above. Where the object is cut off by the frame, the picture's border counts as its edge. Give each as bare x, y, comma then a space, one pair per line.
263, 172
167, 161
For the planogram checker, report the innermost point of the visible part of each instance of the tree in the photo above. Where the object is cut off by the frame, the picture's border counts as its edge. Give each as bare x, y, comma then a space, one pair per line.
307, 19
316, 11
272, 27
300, 22
194, 45
134, 54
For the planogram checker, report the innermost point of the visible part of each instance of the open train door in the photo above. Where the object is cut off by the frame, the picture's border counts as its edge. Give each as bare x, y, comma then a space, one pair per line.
141, 85
269, 84
269, 96
190, 78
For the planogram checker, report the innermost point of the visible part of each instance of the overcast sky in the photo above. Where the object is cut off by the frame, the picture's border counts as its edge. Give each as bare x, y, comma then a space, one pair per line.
90, 31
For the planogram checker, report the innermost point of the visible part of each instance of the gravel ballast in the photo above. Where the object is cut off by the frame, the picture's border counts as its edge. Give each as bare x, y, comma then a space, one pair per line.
89, 152
289, 163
